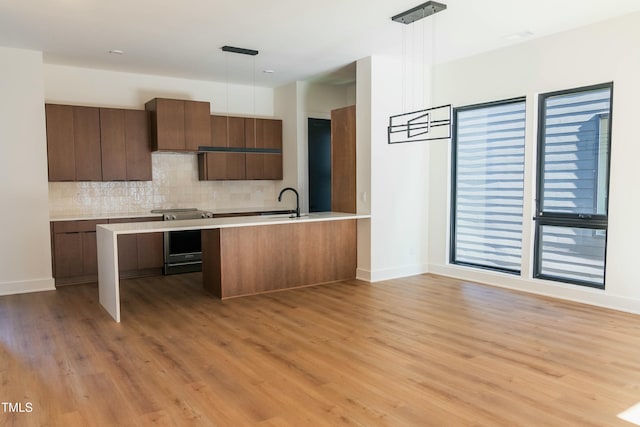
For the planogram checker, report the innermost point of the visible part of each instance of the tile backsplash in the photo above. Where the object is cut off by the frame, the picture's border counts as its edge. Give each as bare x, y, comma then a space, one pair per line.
175, 185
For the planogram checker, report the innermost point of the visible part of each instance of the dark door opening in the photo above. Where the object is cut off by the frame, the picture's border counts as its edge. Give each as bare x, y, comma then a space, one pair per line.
319, 136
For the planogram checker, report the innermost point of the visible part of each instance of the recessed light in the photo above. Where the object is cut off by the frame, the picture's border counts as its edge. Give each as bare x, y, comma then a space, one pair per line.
268, 71
116, 52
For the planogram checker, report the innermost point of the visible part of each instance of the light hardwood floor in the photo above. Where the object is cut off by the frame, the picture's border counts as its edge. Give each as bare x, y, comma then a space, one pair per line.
419, 351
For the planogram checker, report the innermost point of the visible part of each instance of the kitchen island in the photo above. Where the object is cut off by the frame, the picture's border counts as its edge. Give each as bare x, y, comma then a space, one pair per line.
247, 255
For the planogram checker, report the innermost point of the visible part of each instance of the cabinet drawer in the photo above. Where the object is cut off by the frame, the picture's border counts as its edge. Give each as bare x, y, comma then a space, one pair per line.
76, 226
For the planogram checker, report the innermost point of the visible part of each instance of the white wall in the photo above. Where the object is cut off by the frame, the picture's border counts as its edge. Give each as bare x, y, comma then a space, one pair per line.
599, 53
102, 88
25, 252
399, 177
286, 107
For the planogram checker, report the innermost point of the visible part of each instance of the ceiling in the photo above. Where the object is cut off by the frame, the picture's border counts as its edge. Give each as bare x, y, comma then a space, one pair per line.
298, 40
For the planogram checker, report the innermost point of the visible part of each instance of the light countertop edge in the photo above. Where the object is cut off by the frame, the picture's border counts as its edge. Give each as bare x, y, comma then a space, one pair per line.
212, 223
101, 216
75, 216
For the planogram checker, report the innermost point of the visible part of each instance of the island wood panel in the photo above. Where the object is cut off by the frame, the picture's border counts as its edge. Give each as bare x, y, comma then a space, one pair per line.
343, 159
250, 260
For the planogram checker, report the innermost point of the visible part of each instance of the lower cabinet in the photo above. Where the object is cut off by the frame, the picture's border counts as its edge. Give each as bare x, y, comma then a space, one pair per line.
139, 254
74, 251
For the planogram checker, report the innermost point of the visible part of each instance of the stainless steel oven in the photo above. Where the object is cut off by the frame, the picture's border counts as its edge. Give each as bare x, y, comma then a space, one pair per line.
182, 249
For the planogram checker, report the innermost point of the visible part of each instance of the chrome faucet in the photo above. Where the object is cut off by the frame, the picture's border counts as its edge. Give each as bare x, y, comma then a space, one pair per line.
297, 199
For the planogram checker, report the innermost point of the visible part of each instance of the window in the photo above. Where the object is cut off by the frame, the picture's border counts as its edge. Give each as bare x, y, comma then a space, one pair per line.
573, 185
488, 184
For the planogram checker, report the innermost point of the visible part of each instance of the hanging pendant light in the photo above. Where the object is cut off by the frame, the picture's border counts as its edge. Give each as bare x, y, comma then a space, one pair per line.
253, 53
426, 124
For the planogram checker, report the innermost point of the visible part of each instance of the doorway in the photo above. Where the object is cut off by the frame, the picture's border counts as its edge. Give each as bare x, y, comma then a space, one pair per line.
319, 149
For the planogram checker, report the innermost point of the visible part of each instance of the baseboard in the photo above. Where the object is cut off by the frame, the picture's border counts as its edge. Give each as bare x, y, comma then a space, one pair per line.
583, 295
364, 275
397, 273
27, 286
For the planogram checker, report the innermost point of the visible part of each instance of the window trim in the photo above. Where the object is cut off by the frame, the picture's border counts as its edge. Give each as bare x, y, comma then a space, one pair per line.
564, 219
454, 187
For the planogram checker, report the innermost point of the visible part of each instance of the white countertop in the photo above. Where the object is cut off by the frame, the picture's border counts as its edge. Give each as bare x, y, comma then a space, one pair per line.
63, 216
241, 221
221, 211
75, 216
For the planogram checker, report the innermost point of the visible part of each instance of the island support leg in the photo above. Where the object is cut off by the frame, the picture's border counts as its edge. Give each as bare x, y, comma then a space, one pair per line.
108, 277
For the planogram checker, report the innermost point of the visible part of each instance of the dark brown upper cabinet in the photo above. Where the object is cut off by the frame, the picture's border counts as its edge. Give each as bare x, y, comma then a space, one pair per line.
97, 144
73, 143
179, 125
243, 134
226, 132
264, 134
126, 147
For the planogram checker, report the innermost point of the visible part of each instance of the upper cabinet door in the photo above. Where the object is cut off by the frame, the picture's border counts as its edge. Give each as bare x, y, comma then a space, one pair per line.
167, 122
86, 130
179, 125
97, 144
60, 143
235, 162
264, 133
197, 124
138, 145
253, 161
73, 143
272, 138
126, 148
113, 144
226, 132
